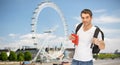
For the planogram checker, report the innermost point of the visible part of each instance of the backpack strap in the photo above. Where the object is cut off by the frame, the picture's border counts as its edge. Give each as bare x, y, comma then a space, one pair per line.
78, 27
97, 31
96, 34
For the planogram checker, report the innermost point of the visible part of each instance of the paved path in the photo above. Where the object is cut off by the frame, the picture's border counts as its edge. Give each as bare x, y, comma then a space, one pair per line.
107, 62
96, 62
99, 62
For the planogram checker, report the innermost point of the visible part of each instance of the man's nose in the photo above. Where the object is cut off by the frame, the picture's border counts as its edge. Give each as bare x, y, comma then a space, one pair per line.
84, 20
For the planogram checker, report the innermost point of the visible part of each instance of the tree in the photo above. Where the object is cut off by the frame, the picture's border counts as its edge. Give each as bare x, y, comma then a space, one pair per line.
12, 56
27, 56
3, 56
20, 56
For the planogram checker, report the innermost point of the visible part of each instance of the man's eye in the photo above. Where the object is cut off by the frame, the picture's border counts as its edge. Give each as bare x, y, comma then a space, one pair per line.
87, 17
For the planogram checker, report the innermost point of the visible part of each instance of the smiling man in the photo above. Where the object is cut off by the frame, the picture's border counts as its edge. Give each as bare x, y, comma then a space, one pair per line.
83, 52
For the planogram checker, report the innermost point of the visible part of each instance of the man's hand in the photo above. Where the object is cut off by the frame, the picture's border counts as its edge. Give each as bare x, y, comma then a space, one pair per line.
98, 42
71, 37
74, 38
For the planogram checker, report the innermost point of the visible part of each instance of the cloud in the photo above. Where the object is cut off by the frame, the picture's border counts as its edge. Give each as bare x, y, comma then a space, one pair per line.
99, 11
112, 40
111, 31
13, 35
78, 18
1, 38
26, 36
106, 19
111, 44
26, 40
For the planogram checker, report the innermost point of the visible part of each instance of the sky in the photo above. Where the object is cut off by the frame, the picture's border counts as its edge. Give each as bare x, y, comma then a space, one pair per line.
16, 18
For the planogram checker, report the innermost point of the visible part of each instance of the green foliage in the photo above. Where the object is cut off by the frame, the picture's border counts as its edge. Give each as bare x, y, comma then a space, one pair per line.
108, 56
20, 56
27, 56
118, 55
101, 56
3, 56
12, 56
113, 56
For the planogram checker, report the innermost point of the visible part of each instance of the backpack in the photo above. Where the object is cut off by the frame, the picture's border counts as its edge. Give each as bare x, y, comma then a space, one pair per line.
94, 47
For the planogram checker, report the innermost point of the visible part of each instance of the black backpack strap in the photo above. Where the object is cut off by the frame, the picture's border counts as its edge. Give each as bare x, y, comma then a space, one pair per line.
102, 35
78, 27
97, 31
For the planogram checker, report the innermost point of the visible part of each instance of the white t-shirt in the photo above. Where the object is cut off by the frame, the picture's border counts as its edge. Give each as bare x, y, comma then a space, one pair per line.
83, 52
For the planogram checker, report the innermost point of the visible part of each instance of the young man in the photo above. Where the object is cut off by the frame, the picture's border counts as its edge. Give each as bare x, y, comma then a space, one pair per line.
83, 52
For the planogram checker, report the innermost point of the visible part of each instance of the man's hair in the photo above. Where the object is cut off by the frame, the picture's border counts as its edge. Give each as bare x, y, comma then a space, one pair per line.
86, 11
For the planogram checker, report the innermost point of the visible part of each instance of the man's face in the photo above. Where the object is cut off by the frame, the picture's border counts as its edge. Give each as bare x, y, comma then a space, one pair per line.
86, 19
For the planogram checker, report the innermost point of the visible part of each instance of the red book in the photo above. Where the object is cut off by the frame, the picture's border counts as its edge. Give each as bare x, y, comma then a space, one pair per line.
76, 39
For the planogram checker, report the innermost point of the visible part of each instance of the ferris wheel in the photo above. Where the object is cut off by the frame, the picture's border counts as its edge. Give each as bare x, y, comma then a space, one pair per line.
35, 16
